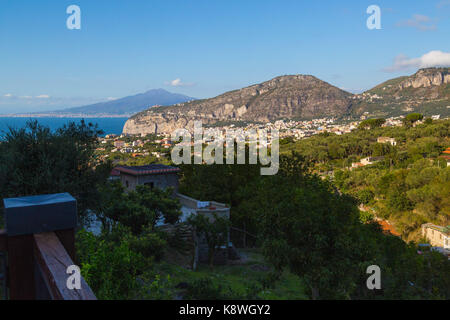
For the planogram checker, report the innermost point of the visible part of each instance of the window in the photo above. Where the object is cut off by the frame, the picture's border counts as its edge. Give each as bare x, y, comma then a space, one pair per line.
150, 184
127, 184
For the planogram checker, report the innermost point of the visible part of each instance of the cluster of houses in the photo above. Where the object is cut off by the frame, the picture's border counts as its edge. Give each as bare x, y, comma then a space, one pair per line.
136, 147
307, 128
287, 128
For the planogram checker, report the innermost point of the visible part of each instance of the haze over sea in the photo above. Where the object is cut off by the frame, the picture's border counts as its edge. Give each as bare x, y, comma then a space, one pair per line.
108, 125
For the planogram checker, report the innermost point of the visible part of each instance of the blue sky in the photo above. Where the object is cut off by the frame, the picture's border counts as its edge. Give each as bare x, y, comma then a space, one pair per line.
204, 48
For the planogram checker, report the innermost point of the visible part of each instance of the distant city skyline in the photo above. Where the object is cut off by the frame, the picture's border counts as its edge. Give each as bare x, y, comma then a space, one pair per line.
205, 48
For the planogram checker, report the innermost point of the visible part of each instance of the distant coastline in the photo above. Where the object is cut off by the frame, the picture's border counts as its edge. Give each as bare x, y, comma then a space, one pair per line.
64, 115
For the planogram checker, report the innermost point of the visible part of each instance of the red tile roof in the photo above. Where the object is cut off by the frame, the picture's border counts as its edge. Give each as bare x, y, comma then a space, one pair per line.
388, 228
148, 170
115, 173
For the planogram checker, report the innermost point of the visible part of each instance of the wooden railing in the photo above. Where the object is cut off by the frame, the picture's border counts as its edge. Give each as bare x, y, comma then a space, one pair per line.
37, 266
37, 262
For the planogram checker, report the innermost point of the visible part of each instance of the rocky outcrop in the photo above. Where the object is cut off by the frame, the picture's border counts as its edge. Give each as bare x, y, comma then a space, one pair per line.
157, 123
285, 97
427, 91
425, 78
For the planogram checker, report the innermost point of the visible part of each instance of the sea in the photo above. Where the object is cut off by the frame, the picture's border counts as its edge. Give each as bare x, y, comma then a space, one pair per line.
108, 125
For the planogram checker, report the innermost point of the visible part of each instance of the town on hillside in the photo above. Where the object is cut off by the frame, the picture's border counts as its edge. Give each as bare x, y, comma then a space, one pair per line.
137, 151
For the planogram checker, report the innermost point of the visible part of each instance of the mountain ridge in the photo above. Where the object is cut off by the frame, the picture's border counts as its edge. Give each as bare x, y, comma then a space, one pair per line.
426, 91
129, 104
289, 96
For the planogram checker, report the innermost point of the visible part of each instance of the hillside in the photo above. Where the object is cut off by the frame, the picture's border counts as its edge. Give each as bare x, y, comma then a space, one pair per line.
410, 183
427, 91
303, 97
131, 104
285, 97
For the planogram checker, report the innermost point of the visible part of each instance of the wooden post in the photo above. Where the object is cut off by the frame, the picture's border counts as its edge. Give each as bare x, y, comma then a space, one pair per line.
21, 268
23, 284
26, 219
3, 241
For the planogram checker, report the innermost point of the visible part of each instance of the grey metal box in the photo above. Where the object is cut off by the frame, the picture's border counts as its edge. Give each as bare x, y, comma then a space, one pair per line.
37, 214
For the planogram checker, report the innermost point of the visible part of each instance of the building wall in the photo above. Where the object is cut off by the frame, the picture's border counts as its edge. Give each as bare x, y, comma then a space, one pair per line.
436, 238
128, 181
161, 181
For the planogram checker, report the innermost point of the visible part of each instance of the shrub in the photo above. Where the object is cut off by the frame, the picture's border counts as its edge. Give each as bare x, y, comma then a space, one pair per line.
111, 263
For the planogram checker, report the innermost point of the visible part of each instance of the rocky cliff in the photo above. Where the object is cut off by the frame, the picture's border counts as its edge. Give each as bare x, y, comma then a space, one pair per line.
427, 91
285, 97
426, 78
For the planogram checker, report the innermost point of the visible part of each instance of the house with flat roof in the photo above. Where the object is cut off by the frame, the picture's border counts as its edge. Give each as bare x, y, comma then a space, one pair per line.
371, 160
153, 175
437, 235
389, 140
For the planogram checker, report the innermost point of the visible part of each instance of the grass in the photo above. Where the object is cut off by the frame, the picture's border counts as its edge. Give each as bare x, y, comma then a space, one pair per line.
239, 278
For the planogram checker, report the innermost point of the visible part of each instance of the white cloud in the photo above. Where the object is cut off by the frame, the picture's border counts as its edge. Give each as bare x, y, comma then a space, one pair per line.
178, 83
431, 59
43, 96
8, 95
111, 98
420, 22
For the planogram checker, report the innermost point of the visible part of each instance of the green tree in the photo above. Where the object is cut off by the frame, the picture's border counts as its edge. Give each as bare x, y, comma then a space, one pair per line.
139, 209
306, 226
34, 160
372, 123
110, 264
412, 118
215, 230
365, 196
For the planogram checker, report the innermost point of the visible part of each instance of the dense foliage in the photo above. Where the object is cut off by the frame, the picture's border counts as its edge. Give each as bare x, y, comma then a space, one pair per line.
305, 225
120, 265
409, 186
305, 219
138, 209
34, 160
119, 262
